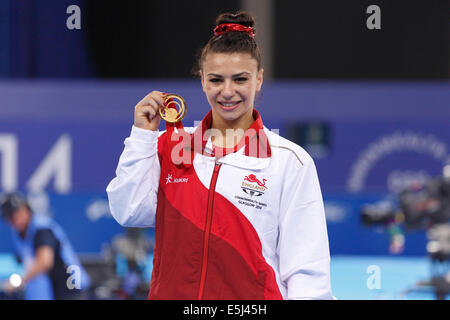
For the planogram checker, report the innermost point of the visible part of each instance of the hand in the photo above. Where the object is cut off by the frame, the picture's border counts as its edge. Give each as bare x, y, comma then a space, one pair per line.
146, 115
9, 288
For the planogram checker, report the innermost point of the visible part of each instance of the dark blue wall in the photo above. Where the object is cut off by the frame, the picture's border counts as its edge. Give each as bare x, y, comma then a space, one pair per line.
4, 38
35, 41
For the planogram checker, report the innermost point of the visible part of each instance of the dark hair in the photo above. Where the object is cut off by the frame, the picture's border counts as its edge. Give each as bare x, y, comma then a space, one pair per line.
11, 203
231, 41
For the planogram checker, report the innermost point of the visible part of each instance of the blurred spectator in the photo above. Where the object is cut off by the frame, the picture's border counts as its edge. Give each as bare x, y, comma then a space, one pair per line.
52, 269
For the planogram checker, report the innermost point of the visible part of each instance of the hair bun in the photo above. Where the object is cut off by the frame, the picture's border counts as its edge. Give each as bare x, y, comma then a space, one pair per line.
241, 17
240, 39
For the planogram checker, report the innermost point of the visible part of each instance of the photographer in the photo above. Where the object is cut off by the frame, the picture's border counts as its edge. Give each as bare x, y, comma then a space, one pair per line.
420, 207
42, 246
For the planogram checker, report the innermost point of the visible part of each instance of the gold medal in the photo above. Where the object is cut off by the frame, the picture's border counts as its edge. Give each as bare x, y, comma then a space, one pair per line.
174, 109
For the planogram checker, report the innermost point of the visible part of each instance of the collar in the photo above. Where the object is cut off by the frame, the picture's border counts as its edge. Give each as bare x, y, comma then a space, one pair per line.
254, 140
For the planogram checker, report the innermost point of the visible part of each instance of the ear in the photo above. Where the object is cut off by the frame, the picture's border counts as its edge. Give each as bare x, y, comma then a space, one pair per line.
259, 80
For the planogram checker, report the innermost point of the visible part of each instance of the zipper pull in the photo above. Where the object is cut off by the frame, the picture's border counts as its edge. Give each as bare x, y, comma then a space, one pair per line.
217, 165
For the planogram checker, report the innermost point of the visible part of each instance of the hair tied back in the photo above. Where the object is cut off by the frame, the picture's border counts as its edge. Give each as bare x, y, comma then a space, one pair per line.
226, 27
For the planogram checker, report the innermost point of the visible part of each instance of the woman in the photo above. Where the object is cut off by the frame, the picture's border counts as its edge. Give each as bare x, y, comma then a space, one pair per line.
241, 215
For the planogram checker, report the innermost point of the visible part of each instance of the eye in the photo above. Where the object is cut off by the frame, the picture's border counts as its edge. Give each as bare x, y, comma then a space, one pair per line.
241, 79
215, 80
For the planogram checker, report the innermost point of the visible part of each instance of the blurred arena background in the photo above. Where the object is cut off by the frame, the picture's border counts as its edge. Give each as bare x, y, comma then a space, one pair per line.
372, 106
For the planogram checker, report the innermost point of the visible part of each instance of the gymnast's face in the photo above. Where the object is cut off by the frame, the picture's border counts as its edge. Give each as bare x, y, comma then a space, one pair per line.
230, 82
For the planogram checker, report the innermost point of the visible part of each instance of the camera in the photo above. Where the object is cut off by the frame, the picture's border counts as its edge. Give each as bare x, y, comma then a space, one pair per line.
419, 207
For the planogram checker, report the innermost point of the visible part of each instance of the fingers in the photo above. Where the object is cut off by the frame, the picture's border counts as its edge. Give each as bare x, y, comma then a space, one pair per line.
155, 99
147, 110
151, 103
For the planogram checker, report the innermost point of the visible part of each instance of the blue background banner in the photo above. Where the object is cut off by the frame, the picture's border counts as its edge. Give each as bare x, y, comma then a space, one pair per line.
370, 141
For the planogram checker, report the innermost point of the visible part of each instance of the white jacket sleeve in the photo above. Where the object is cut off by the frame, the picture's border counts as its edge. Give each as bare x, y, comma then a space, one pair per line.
133, 192
303, 248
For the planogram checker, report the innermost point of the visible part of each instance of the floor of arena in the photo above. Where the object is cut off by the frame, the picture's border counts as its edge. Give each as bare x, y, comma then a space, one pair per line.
398, 278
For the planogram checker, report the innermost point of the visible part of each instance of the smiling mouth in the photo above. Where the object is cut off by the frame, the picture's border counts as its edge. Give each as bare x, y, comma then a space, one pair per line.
229, 105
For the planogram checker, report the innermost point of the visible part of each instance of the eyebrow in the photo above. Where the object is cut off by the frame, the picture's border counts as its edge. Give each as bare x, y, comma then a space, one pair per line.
233, 76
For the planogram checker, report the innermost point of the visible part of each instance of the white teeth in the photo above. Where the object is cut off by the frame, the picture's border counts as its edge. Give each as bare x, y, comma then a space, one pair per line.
228, 104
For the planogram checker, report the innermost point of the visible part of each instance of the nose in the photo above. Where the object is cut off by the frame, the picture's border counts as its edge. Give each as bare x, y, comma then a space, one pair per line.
228, 90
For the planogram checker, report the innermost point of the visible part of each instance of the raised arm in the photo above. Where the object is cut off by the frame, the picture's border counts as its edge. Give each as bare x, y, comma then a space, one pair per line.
133, 192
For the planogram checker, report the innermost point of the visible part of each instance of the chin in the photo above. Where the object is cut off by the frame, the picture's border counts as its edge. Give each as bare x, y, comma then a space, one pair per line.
231, 115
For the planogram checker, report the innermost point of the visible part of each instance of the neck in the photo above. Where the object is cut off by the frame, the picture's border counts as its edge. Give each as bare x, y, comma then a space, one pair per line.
231, 132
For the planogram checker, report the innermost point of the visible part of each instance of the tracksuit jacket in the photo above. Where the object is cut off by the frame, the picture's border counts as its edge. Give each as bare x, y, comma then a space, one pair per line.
241, 223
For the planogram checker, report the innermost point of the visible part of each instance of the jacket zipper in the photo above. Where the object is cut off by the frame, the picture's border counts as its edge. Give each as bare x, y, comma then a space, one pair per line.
209, 212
